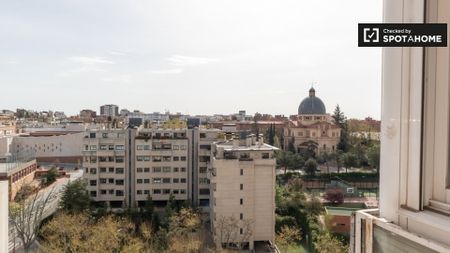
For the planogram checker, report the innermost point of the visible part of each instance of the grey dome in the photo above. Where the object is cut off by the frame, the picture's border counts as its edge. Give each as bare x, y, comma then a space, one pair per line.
311, 104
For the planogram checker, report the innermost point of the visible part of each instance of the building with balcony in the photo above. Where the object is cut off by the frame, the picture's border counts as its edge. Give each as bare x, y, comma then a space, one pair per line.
414, 203
243, 186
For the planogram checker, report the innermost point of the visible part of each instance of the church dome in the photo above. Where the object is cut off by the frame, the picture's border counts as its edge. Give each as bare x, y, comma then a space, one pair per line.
311, 104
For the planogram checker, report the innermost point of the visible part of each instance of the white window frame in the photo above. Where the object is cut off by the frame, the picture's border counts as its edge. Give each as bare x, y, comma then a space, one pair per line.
436, 191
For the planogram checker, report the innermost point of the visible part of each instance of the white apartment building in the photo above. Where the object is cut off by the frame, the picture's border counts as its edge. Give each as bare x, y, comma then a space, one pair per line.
243, 186
414, 204
106, 166
109, 110
130, 164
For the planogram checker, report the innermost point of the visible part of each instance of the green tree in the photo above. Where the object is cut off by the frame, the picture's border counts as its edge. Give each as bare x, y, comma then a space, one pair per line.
287, 237
284, 160
341, 121
374, 157
326, 243
271, 134
51, 176
75, 197
324, 158
349, 160
291, 146
148, 208
311, 166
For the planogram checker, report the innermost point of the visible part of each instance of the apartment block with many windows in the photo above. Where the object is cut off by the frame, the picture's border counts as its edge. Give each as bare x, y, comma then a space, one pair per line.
106, 165
414, 204
243, 187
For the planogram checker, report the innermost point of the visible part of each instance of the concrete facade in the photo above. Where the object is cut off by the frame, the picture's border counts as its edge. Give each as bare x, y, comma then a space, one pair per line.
243, 186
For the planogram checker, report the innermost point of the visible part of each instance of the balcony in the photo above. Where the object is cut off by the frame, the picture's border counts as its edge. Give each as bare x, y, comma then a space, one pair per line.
371, 233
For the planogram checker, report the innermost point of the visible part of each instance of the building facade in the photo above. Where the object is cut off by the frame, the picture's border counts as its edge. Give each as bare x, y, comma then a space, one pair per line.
109, 110
414, 202
243, 186
312, 124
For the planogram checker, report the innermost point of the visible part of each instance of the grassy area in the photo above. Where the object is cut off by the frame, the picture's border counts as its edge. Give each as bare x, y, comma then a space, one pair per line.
295, 249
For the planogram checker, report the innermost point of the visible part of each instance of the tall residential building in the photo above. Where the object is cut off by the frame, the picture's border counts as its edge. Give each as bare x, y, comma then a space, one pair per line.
414, 202
128, 165
109, 110
243, 186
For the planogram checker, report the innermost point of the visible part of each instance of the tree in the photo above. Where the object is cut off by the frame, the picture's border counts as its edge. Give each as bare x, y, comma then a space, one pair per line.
284, 160
148, 208
324, 158
287, 237
184, 229
349, 160
26, 216
335, 196
341, 121
291, 145
337, 157
313, 207
271, 134
233, 231
374, 157
50, 176
326, 243
310, 166
75, 197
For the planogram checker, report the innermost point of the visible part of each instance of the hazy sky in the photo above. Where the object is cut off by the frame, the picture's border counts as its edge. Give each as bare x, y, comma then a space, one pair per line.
197, 57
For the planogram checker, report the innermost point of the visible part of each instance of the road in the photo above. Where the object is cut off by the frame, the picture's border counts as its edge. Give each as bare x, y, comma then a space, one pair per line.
52, 206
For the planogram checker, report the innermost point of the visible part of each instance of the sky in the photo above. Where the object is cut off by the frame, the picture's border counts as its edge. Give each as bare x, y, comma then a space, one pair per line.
188, 56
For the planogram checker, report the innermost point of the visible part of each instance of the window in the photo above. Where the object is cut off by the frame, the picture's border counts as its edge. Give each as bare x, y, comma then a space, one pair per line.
110, 180
93, 171
120, 147
93, 194
265, 155
119, 170
176, 191
157, 180
166, 180
242, 187
146, 169
103, 170
146, 192
139, 170
86, 147
203, 180
167, 158
175, 169
119, 193
166, 191
183, 191
206, 147
204, 158
93, 182
105, 135
146, 181
93, 147
183, 169
119, 159
92, 135
202, 170
241, 201
103, 147
103, 192
176, 158
102, 180
139, 147
111, 191
157, 159
119, 181
156, 169
156, 191
241, 231
183, 158
111, 147
203, 191
183, 147
111, 170
176, 180
166, 169
175, 147
182, 180
139, 181
242, 172
241, 216
139, 192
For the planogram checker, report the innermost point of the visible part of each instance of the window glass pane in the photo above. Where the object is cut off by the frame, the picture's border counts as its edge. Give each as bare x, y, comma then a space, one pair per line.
385, 241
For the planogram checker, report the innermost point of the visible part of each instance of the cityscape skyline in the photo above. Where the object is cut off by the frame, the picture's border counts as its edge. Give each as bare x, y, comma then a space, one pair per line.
158, 56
